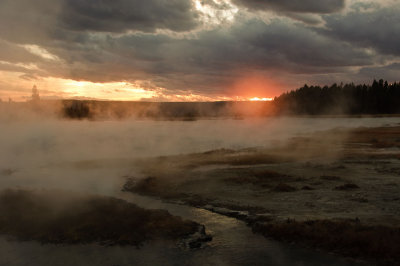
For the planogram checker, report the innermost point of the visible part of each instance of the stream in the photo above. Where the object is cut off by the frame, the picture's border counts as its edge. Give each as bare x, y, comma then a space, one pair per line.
233, 244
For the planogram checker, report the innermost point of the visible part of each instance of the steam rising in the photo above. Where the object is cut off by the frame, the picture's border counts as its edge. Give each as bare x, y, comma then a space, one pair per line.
93, 156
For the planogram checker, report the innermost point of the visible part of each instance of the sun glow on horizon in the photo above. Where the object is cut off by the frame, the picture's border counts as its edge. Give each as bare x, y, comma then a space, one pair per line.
119, 91
257, 99
255, 87
51, 88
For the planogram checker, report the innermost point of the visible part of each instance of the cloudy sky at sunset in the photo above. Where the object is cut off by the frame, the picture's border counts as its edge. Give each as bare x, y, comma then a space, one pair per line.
193, 50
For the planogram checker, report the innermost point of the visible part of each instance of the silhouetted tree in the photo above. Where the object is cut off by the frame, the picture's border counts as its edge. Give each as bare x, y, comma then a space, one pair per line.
35, 94
378, 98
76, 109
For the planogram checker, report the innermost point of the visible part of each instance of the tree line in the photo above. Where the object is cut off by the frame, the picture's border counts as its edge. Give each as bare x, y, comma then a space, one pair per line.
378, 98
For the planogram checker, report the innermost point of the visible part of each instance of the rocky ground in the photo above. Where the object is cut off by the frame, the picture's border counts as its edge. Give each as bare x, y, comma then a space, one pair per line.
337, 190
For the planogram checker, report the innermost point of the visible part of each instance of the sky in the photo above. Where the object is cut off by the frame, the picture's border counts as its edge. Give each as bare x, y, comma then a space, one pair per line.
193, 50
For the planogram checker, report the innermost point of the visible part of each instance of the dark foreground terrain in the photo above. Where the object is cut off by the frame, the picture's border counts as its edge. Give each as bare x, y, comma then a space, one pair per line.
336, 190
64, 218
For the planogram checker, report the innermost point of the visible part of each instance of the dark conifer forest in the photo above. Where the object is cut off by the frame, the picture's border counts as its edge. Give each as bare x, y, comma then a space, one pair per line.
378, 98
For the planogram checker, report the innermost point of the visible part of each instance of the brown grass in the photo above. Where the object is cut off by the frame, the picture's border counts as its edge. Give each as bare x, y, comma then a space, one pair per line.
349, 238
380, 137
282, 187
331, 178
348, 186
262, 178
152, 186
7, 172
43, 217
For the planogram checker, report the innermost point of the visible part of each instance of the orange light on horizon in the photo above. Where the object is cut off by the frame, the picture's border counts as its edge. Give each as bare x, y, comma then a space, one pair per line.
257, 99
255, 87
247, 88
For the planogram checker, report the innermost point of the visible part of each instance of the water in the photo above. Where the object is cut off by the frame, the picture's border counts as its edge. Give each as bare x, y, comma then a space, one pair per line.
233, 244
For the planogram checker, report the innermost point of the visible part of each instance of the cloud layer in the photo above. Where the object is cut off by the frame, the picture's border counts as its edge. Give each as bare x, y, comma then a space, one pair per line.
123, 15
302, 6
201, 47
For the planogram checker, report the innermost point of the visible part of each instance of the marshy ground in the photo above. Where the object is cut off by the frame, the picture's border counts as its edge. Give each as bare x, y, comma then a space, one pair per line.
337, 190
57, 217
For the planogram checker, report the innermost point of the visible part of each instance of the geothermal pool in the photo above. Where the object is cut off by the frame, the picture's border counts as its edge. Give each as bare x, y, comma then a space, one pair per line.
96, 157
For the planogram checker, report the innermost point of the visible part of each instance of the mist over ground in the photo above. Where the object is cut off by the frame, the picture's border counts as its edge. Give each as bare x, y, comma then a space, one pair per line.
51, 155
94, 156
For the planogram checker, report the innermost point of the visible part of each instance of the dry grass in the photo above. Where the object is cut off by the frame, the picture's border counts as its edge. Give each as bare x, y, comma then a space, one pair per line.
331, 178
261, 178
350, 238
152, 186
282, 187
7, 172
348, 186
380, 137
85, 219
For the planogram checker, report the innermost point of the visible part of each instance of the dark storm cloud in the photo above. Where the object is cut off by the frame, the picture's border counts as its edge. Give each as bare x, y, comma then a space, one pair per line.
378, 29
212, 59
389, 72
301, 6
301, 45
26, 21
122, 15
